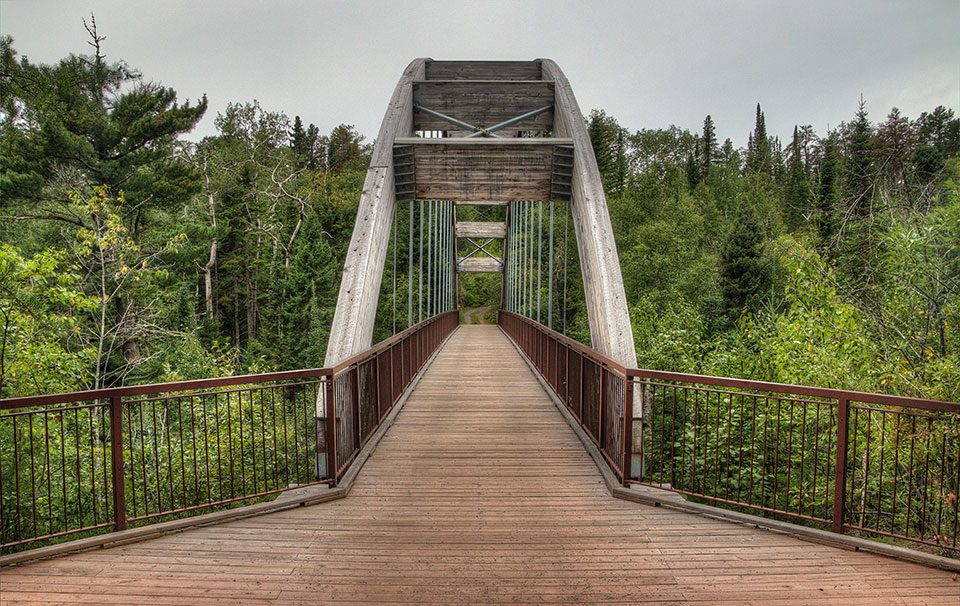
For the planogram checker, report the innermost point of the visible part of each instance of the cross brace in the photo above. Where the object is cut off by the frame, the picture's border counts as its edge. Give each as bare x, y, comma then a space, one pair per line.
480, 131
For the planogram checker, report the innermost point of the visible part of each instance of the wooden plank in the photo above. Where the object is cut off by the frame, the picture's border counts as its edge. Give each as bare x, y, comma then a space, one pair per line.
479, 265
483, 142
483, 103
481, 229
479, 493
481, 203
483, 168
483, 70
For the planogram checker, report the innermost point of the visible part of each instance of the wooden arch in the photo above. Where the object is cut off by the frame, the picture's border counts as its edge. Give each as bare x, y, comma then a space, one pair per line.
482, 106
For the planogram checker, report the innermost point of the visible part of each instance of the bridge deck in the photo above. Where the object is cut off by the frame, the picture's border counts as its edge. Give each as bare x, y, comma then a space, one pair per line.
479, 493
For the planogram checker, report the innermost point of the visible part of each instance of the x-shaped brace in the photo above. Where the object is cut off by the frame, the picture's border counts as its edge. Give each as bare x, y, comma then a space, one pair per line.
479, 131
478, 247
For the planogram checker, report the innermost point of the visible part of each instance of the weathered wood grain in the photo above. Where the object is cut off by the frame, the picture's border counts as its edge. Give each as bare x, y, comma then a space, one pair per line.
481, 229
479, 493
479, 265
483, 103
609, 318
483, 169
352, 328
483, 70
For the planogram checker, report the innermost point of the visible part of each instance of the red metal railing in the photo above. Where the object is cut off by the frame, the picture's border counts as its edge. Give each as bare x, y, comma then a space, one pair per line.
848, 461
366, 386
593, 387
193, 445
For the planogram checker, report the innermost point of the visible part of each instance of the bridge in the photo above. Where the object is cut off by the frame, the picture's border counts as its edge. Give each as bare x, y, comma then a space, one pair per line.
467, 464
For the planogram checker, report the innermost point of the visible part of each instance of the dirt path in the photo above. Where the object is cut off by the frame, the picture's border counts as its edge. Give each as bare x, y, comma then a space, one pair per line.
476, 315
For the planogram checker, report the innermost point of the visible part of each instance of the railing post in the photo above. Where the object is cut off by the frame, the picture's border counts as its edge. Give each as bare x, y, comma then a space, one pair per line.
116, 449
601, 417
626, 467
840, 469
376, 382
582, 389
358, 410
330, 410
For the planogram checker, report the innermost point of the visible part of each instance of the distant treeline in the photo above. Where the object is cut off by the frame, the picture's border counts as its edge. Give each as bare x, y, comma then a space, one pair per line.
128, 254
831, 259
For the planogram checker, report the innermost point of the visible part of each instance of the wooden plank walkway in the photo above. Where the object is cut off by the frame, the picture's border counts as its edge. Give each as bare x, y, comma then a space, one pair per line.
480, 493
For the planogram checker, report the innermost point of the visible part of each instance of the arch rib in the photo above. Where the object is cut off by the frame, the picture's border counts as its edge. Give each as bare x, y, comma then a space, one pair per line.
609, 317
353, 321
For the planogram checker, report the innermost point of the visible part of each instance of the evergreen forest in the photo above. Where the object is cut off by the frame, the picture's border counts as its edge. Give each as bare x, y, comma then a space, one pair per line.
130, 253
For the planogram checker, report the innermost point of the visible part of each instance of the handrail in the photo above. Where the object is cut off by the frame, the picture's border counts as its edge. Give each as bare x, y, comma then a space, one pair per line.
155, 388
194, 384
803, 390
98, 460
850, 461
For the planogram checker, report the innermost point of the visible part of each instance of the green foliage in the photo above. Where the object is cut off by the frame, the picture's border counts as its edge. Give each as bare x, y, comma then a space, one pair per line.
608, 140
760, 153
669, 332
744, 269
90, 121
746, 272
345, 149
829, 193
41, 306
797, 191
709, 147
859, 167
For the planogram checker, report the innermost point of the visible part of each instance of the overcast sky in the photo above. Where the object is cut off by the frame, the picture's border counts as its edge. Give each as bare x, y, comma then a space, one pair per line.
649, 64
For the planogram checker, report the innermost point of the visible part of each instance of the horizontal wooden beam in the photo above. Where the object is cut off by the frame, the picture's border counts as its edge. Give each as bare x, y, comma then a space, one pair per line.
483, 70
485, 142
479, 265
495, 170
483, 103
481, 229
481, 203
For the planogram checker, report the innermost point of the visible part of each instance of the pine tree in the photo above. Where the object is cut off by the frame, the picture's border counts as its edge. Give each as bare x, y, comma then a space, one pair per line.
729, 154
759, 157
745, 275
693, 166
778, 165
939, 135
620, 167
344, 148
305, 144
828, 191
298, 139
859, 173
896, 139
935, 128
315, 145
797, 191
709, 151
608, 140
104, 121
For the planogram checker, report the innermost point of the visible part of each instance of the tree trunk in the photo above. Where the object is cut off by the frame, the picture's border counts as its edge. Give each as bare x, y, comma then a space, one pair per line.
129, 346
208, 279
212, 260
